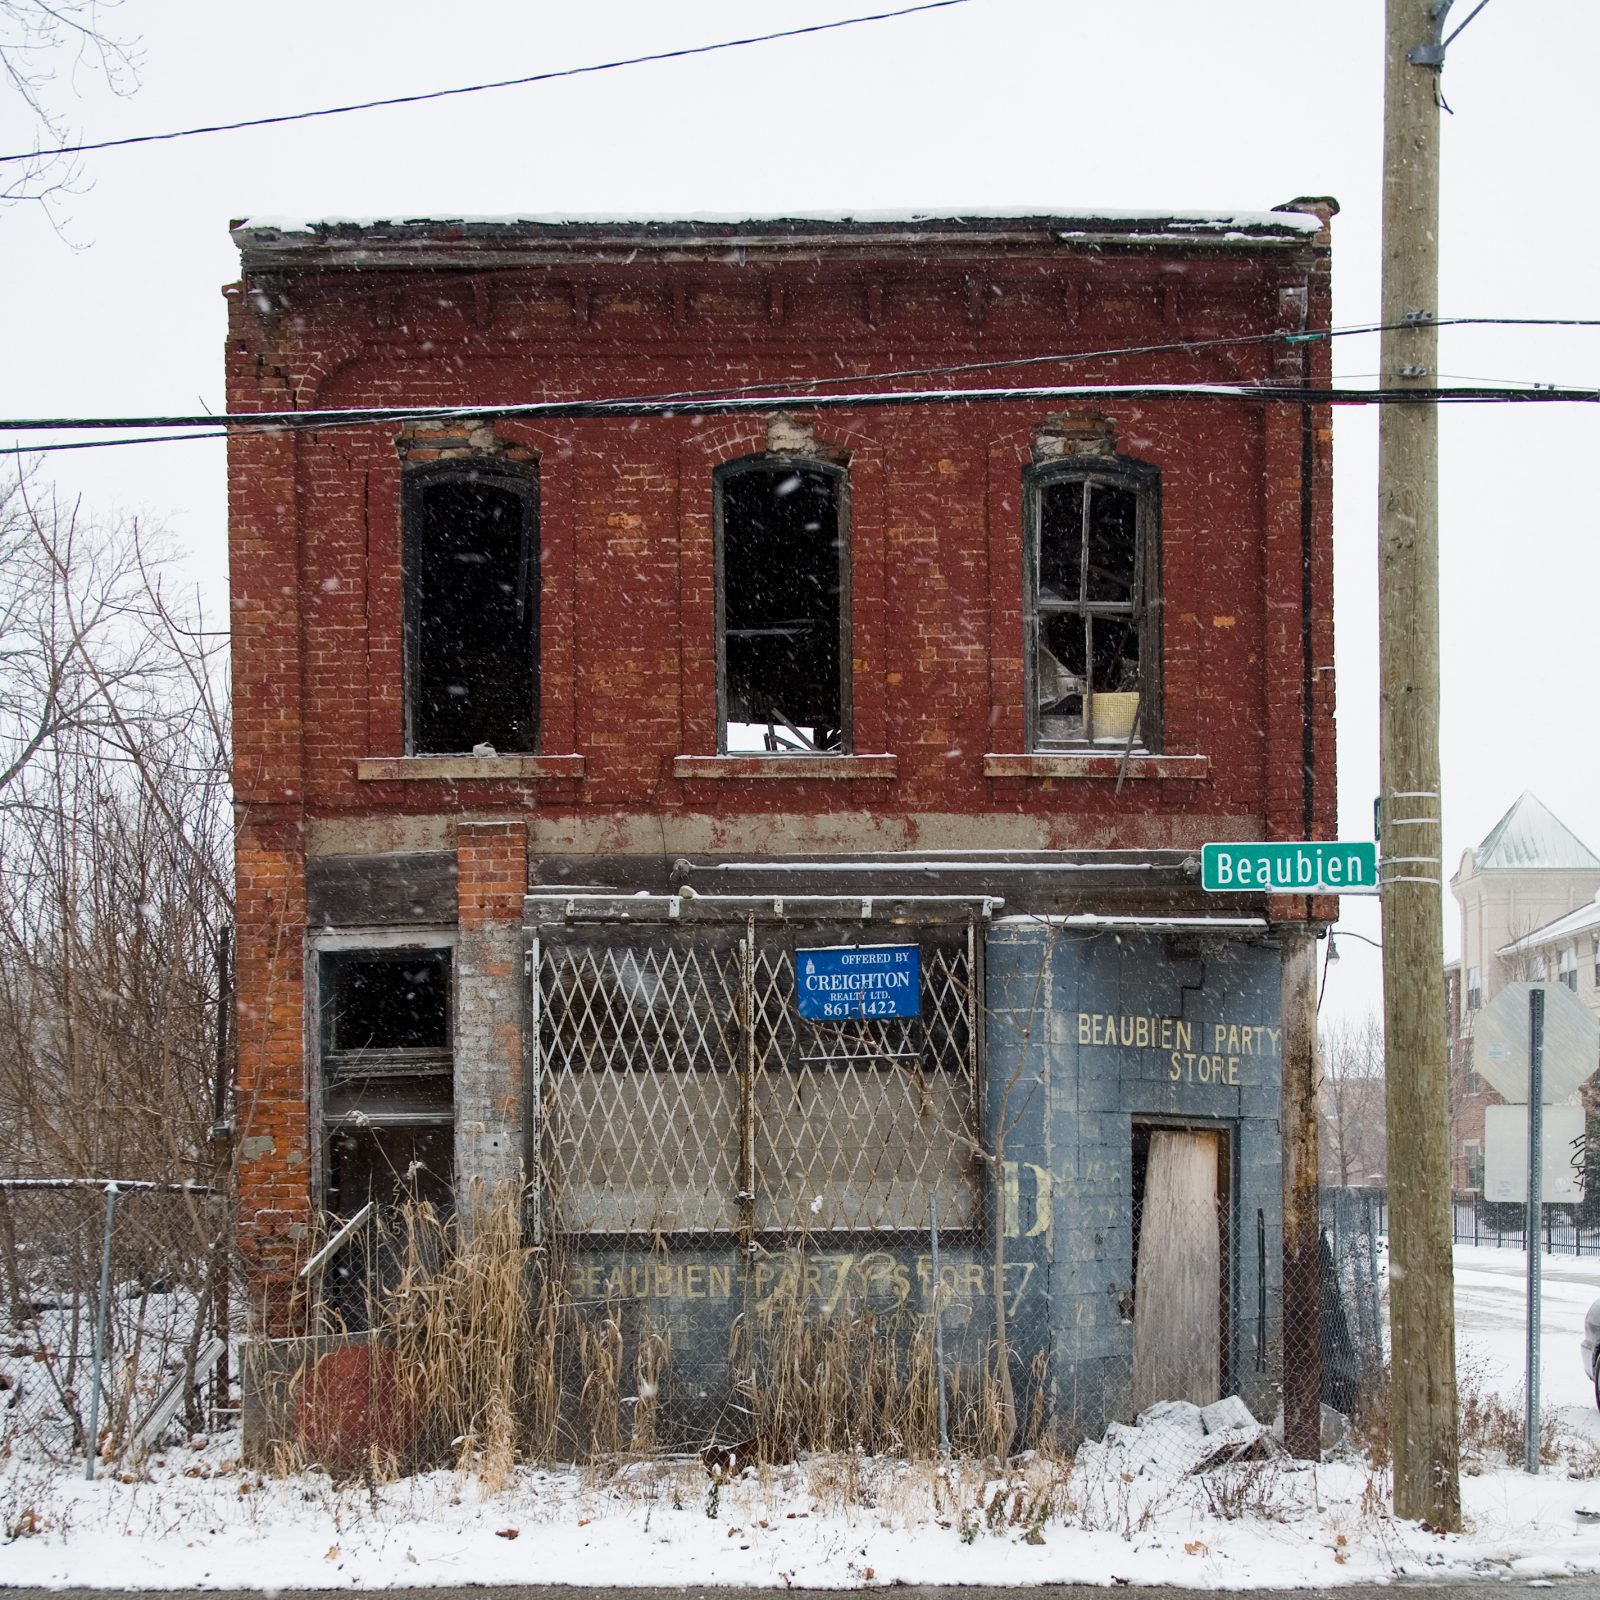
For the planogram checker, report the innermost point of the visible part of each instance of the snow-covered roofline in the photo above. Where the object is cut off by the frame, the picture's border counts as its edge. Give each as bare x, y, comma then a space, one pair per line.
1297, 224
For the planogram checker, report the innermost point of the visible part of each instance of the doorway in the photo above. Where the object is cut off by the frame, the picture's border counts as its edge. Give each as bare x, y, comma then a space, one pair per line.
1180, 1264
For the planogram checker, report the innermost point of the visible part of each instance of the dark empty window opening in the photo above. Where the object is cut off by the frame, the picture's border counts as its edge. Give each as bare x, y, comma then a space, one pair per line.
783, 607
385, 1005
385, 1023
1093, 652
472, 609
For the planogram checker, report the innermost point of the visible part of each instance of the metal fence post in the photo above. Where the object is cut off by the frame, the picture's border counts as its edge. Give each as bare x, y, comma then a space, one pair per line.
938, 1322
100, 1334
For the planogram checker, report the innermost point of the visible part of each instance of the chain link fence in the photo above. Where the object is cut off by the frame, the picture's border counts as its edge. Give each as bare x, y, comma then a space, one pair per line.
476, 1333
114, 1315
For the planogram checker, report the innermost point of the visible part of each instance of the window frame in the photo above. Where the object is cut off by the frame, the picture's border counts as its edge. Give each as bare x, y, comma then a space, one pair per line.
1144, 481
520, 478
1474, 990
839, 473
366, 1096
342, 1066
1567, 966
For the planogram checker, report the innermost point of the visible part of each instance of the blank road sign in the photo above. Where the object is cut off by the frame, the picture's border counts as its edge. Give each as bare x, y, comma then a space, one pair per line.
1500, 1042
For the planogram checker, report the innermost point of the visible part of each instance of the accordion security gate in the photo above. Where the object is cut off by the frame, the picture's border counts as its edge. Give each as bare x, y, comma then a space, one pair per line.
677, 1091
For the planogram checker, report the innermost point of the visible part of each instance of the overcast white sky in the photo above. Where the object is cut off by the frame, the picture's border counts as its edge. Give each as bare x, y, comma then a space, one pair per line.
1063, 104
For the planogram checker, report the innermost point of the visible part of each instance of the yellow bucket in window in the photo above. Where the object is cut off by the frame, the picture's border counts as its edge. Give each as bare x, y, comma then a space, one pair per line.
1114, 716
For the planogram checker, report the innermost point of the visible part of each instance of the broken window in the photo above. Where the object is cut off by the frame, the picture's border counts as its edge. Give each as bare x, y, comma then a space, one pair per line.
1092, 645
387, 1089
782, 606
472, 608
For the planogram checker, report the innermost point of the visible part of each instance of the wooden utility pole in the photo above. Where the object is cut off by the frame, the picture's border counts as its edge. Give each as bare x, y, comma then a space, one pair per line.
1422, 1400
1302, 1226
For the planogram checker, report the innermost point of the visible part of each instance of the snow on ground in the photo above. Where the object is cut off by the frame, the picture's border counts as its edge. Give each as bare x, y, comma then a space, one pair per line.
1124, 1512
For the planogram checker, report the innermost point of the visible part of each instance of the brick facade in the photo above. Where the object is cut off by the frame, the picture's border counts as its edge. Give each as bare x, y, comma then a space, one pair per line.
344, 831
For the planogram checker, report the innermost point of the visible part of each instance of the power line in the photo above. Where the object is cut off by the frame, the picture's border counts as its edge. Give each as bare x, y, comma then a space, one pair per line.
792, 390
107, 444
479, 88
1175, 346
257, 422
792, 386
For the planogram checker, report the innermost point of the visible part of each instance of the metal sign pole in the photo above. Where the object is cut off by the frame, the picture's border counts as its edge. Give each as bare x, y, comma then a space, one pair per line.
1530, 1438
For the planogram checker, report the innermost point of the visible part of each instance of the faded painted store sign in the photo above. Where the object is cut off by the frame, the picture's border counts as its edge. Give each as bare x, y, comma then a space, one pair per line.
828, 1281
1192, 1052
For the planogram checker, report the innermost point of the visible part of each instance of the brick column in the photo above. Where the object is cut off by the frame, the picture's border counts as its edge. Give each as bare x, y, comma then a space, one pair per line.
273, 1141
492, 877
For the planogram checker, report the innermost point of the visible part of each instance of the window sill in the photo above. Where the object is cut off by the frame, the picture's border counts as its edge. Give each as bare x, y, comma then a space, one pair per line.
388, 769
803, 767
1095, 764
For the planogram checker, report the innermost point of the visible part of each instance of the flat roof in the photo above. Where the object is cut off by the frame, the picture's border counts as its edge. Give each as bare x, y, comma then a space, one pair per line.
276, 240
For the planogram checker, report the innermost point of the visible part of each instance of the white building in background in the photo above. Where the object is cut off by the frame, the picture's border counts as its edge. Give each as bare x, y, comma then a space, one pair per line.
1529, 899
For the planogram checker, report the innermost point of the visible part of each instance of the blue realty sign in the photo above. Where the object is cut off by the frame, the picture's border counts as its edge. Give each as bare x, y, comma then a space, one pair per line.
838, 981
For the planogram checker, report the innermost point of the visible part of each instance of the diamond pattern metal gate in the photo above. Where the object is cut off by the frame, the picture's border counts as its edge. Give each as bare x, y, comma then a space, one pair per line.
678, 1090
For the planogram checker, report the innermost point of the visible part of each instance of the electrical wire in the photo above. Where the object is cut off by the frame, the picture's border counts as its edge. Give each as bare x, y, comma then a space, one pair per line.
106, 444
1175, 346
479, 88
754, 395
1293, 394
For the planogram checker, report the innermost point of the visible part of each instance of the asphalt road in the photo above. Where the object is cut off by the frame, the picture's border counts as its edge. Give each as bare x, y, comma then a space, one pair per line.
1479, 1589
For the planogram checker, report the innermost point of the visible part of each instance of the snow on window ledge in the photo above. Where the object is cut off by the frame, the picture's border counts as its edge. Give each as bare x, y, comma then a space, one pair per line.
388, 769
1095, 764
797, 764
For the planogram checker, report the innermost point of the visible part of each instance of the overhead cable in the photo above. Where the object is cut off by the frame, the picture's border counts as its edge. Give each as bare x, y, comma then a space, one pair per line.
479, 88
1293, 394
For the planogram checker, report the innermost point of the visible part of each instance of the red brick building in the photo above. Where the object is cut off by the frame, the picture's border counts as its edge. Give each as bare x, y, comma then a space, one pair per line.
847, 664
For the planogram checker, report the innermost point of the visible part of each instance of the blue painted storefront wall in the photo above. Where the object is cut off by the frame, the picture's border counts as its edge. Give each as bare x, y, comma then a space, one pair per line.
1089, 1032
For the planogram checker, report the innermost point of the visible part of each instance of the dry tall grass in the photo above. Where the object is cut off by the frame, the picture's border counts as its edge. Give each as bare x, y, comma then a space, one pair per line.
494, 1363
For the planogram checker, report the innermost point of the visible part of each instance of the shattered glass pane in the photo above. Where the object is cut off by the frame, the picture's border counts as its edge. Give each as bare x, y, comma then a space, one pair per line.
1088, 608
1061, 542
1113, 543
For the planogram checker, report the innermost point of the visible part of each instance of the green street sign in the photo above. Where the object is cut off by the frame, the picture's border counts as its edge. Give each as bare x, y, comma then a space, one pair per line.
1306, 867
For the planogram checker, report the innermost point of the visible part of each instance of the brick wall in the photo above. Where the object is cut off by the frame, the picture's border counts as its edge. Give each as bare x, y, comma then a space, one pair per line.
627, 676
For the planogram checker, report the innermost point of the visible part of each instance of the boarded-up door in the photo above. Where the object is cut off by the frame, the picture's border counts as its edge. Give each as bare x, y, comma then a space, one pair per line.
1177, 1319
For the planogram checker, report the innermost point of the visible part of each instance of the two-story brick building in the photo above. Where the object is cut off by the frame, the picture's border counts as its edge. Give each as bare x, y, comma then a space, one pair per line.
723, 754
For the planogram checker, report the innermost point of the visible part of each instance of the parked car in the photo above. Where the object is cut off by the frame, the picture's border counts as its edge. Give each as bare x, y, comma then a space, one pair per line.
1591, 1343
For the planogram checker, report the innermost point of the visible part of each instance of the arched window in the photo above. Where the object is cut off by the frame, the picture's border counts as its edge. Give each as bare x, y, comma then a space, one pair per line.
1091, 567
783, 607
472, 608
